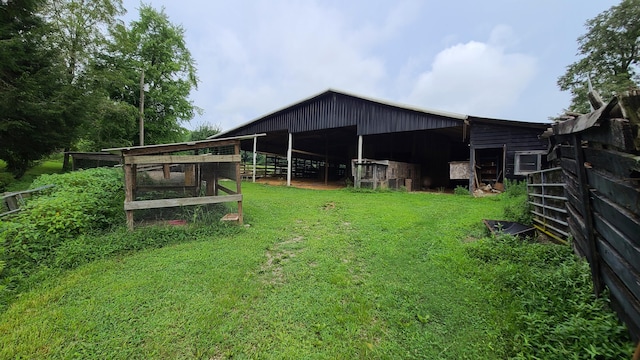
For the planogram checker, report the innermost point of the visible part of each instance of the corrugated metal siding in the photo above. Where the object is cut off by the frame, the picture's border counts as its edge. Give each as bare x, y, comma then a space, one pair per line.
334, 110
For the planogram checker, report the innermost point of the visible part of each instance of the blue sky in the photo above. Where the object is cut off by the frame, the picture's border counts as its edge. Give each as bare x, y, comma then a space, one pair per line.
492, 58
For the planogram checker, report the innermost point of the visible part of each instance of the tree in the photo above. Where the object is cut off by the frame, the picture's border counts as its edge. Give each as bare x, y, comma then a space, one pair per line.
37, 108
610, 53
203, 131
151, 48
79, 32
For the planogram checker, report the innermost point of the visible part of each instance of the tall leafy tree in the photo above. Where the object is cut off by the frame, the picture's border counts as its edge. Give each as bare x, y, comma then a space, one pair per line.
37, 107
152, 52
610, 54
79, 33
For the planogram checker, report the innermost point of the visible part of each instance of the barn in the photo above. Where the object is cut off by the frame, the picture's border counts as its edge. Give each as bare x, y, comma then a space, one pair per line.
337, 136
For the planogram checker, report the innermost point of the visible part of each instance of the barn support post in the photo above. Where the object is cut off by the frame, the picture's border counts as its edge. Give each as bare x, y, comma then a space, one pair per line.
255, 155
236, 148
472, 169
359, 166
289, 159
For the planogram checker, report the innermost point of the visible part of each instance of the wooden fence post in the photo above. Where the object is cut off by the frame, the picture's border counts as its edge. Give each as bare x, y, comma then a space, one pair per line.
593, 257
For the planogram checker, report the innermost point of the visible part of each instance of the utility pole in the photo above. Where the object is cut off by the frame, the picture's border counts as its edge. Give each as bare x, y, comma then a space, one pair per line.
142, 108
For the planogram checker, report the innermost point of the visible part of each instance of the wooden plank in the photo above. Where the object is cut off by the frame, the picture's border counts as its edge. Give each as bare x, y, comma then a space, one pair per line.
625, 271
239, 185
129, 184
623, 245
164, 203
569, 166
622, 219
566, 152
189, 175
147, 188
96, 157
583, 195
626, 193
578, 239
180, 159
629, 307
577, 219
584, 122
226, 190
618, 163
613, 132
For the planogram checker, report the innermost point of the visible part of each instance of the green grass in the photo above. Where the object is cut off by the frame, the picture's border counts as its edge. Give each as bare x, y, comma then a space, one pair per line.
315, 275
50, 166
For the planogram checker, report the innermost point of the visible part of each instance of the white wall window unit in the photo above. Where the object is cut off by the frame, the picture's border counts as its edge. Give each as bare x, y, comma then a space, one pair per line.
527, 162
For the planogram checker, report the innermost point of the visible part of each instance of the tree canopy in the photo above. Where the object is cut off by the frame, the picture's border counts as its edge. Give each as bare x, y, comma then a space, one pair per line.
71, 71
153, 50
610, 54
38, 107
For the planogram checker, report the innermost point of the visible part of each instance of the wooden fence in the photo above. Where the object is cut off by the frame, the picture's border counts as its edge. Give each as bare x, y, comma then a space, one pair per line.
598, 154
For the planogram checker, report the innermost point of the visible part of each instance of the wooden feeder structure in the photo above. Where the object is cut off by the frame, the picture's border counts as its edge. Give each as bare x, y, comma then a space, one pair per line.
190, 169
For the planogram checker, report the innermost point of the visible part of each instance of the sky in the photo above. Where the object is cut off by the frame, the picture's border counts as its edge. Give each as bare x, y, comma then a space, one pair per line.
493, 58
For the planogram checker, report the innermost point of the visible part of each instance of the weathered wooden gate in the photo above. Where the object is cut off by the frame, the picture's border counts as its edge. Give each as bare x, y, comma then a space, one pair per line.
598, 154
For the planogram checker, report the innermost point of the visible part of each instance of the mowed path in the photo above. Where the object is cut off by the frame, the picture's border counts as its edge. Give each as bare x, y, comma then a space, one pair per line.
316, 274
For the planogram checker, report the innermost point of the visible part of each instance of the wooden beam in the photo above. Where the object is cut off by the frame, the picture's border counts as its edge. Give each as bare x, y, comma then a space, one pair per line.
239, 184
180, 159
587, 212
129, 182
164, 203
289, 159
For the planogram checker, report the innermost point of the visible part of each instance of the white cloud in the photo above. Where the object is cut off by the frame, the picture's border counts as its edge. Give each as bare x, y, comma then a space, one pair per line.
475, 78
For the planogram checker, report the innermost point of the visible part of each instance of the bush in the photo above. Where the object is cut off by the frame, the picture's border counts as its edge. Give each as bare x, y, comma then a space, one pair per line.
550, 298
517, 207
5, 180
79, 203
461, 190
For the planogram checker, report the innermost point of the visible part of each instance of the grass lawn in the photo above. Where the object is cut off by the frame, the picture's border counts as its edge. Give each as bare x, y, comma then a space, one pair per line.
315, 275
51, 166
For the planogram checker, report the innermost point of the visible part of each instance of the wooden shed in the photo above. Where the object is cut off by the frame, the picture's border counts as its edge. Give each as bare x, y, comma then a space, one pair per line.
502, 149
193, 169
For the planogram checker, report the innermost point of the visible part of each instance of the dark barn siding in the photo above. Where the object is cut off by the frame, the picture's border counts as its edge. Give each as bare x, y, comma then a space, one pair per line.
517, 138
331, 110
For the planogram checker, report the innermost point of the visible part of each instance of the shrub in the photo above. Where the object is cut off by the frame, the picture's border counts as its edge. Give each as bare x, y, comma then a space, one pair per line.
5, 180
515, 188
517, 207
550, 298
461, 190
79, 202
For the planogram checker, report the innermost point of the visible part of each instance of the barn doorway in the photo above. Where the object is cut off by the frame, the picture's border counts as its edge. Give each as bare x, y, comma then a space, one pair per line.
490, 165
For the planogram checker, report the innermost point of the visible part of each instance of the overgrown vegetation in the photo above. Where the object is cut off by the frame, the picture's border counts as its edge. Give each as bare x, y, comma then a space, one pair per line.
461, 190
517, 207
79, 203
546, 293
